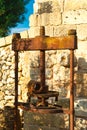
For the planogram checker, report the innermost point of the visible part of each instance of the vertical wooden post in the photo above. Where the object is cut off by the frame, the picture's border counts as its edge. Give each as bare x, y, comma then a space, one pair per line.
42, 60
16, 89
16, 127
71, 89
72, 32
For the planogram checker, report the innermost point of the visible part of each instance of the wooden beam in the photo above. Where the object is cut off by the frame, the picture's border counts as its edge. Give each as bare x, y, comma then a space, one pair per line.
45, 43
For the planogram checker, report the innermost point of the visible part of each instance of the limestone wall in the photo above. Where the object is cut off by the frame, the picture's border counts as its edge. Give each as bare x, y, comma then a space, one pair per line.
58, 16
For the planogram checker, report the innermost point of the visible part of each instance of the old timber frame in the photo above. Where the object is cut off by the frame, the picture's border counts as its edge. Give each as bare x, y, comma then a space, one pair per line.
43, 43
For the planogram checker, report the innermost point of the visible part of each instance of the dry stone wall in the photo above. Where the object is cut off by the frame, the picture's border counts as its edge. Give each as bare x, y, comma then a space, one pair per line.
7, 76
58, 16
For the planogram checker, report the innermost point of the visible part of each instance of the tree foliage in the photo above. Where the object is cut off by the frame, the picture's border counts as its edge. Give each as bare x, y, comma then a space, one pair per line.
11, 13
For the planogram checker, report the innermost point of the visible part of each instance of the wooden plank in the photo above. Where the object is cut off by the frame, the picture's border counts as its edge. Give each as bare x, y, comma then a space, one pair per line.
45, 43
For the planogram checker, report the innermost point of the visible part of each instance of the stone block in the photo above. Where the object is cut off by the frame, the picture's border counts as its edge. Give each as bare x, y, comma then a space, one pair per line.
49, 31
48, 6
56, 6
31, 127
34, 31
36, 121
62, 30
33, 20
82, 32
81, 107
61, 5
81, 104
75, 4
45, 19
8, 39
80, 124
75, 17
9, 98
24, 34
2, 42
82, 46
40, 20
64, 102
1, 95
44, 7
42, 121
2, 104
55, 19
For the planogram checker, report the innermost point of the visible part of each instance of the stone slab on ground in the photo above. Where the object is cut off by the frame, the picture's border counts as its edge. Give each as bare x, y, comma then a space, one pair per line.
42, 128
58, 121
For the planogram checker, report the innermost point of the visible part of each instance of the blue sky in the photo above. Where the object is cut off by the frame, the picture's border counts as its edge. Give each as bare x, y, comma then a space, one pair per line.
25, 25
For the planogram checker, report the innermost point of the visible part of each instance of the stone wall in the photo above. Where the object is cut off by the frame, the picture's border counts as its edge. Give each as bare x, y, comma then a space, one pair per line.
7, 86
58, 16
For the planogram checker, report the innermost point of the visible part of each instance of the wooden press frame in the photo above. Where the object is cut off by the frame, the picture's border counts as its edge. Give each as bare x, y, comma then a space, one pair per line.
43, 43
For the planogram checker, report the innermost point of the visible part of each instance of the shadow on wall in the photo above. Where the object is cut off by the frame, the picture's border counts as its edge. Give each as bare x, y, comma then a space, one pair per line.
35, 70
7, 119
81, 79
45, 7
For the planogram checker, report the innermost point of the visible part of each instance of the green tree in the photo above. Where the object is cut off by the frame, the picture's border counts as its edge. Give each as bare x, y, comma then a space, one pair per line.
11, 13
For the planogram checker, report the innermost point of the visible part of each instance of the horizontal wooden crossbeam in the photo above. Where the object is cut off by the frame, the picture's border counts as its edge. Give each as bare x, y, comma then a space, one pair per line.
45, 43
